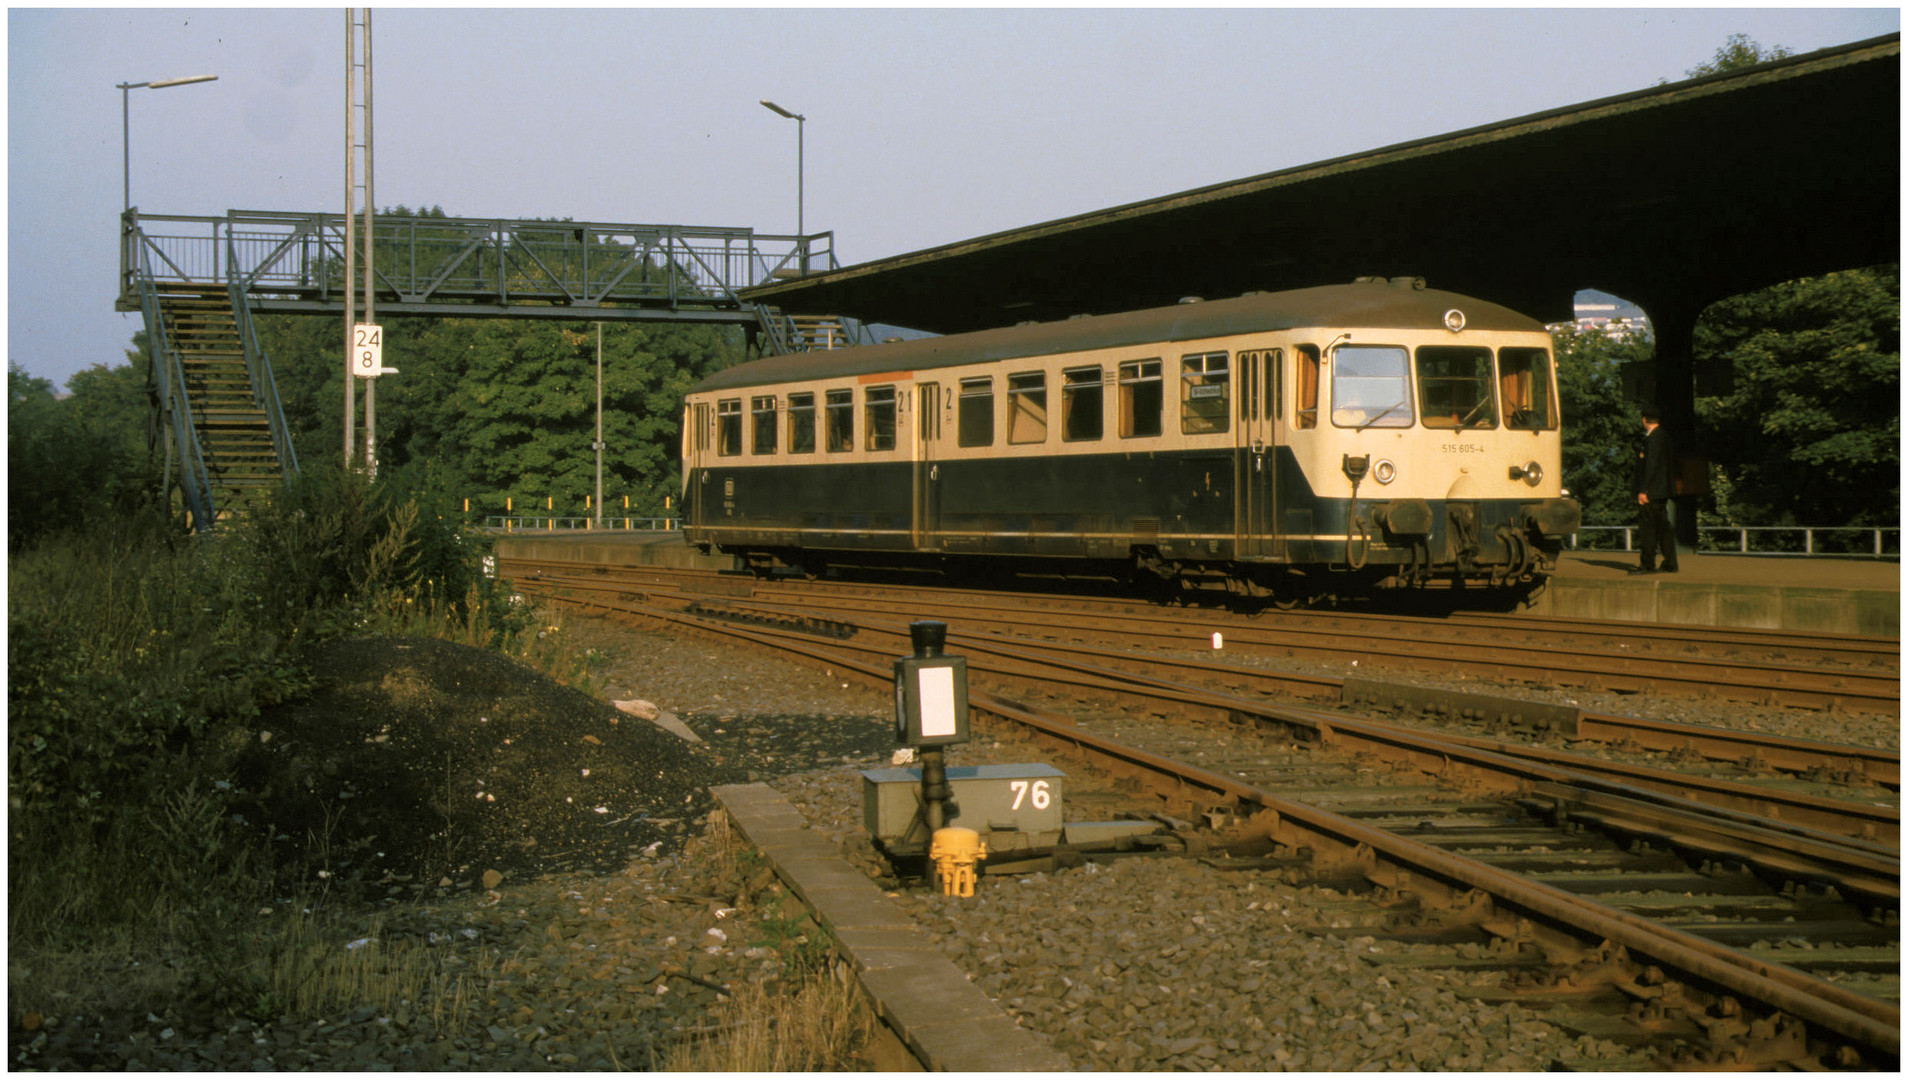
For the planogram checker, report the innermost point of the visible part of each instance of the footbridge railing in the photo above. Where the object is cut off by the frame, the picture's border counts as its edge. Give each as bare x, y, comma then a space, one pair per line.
295, 263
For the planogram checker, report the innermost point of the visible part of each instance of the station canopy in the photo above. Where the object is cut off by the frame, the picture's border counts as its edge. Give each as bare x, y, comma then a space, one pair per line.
1676, 195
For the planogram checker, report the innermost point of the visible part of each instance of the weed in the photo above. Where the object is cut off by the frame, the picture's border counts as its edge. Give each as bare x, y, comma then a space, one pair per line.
820, 1024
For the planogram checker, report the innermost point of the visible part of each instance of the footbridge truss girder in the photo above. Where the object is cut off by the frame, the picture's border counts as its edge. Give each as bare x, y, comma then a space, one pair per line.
294, 263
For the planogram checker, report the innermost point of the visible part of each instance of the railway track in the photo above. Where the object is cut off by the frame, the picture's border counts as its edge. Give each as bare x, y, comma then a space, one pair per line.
1608, 967
1178, 645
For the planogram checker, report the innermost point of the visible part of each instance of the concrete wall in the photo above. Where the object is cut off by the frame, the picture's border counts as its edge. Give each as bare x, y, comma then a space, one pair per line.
1868, 613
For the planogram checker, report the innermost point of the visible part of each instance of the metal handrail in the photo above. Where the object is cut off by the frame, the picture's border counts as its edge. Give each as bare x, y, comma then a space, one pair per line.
581, 524
1877, 548
258, 367
168, 371
564, 265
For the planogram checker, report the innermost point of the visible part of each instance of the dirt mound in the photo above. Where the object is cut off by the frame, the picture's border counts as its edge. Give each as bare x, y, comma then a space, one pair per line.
417, 760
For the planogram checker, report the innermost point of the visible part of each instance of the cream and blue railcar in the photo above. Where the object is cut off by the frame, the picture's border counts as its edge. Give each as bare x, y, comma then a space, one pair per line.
1290, 444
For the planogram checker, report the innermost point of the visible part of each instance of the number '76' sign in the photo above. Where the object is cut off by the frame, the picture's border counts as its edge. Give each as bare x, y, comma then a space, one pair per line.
367, 351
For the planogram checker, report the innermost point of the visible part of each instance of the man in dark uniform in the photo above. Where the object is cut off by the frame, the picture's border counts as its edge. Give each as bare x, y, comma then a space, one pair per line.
1652, 487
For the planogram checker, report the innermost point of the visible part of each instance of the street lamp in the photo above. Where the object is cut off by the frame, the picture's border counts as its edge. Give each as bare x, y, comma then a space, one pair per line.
801, 123
125, 120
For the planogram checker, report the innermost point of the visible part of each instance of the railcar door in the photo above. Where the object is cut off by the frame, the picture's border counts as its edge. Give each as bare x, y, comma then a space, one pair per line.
927, 470
1258, 418
695, 447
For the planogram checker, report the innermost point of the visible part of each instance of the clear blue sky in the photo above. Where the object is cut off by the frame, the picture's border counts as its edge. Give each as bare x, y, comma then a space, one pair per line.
924, 126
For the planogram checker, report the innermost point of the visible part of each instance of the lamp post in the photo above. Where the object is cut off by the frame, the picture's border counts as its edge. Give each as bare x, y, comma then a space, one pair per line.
801, 126
125, 120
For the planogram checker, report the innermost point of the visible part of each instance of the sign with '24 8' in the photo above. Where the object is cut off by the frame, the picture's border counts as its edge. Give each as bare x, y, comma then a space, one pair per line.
367, 351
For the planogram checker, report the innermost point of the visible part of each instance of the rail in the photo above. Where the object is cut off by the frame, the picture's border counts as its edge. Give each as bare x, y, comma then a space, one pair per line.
294, 262
166, 376
582, 524
1789, 540
259, 367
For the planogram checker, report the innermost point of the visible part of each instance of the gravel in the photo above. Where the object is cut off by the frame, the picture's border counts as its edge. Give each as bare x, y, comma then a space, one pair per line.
573, 954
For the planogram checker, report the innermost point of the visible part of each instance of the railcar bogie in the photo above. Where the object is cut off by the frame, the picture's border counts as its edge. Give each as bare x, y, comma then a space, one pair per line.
1278, 446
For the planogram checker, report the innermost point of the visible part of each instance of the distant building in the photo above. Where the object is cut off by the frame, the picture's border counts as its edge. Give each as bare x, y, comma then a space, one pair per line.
1607, 315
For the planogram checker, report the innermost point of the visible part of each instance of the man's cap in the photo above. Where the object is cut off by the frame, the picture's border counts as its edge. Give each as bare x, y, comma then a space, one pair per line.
1650, 411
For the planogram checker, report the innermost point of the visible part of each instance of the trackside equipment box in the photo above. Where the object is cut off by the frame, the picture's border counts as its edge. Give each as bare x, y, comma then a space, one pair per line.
1013, 807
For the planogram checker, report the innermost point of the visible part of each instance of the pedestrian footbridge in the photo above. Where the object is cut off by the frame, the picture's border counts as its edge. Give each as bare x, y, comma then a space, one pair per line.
198, 281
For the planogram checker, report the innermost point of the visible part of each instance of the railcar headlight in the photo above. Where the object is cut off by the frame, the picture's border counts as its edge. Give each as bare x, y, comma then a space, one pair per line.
1529, 472
1384, 472
1454, 320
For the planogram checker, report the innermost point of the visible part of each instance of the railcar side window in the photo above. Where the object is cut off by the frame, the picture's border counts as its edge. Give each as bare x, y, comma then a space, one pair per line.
1523, 380
977, 411
1082, 405
879, 404
1027, 407
1371, 387
1142, 399
762, 413
801, 423
729, 427
1305, 413
1454, 386
1205, 398
840, 418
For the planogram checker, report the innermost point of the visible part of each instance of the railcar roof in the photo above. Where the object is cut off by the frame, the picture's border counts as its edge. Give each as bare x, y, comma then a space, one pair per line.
1380, 305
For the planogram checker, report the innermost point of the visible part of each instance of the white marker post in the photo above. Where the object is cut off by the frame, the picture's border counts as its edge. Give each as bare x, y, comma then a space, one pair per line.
367, 351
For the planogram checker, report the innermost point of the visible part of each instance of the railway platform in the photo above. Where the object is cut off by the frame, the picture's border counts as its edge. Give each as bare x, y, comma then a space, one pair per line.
945, 1021
1821, 593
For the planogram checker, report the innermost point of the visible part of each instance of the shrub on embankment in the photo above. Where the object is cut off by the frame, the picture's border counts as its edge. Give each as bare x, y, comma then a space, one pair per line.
137, 658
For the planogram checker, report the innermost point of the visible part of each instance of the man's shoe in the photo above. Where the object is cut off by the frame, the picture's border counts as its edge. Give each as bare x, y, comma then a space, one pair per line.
1643, 570
1669, 570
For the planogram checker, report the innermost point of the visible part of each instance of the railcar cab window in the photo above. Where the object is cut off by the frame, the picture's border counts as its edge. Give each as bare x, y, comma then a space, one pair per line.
1082, 405
1205, 394
801, 423
839, 416
1142, 399
1523, 380
729, 427
1454, 386
879, 405
1305, 408
1371, 387
1027, 407
977, 411
762, 415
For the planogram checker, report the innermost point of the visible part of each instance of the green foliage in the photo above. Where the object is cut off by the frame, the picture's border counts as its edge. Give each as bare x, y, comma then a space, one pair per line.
1600, 430
73, 462
1739, 52
1809, 431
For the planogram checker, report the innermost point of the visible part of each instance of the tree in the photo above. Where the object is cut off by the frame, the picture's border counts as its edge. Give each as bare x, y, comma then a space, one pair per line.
71, 460
1601, 431
1739, 52
1809, 429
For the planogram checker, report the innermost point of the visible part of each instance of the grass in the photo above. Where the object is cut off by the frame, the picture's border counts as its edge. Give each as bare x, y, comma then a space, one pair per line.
821, 1024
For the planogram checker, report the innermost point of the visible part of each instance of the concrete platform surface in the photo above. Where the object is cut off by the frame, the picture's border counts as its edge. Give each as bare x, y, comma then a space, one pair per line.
1821, 594
930, 1005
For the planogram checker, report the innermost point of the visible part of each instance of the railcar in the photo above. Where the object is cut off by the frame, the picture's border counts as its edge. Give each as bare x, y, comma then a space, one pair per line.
1281, 445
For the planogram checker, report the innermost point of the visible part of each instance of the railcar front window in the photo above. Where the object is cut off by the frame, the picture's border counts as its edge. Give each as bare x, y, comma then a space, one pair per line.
1142, 399
880, 410
1205, 394
840, 417
1082, 405
762, 413
977, 411
801, 423
729, 427
1027, 407
1454, 385
1523, 381
1371, 387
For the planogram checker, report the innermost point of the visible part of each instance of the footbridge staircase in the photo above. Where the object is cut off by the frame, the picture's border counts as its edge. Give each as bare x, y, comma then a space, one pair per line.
199, 281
